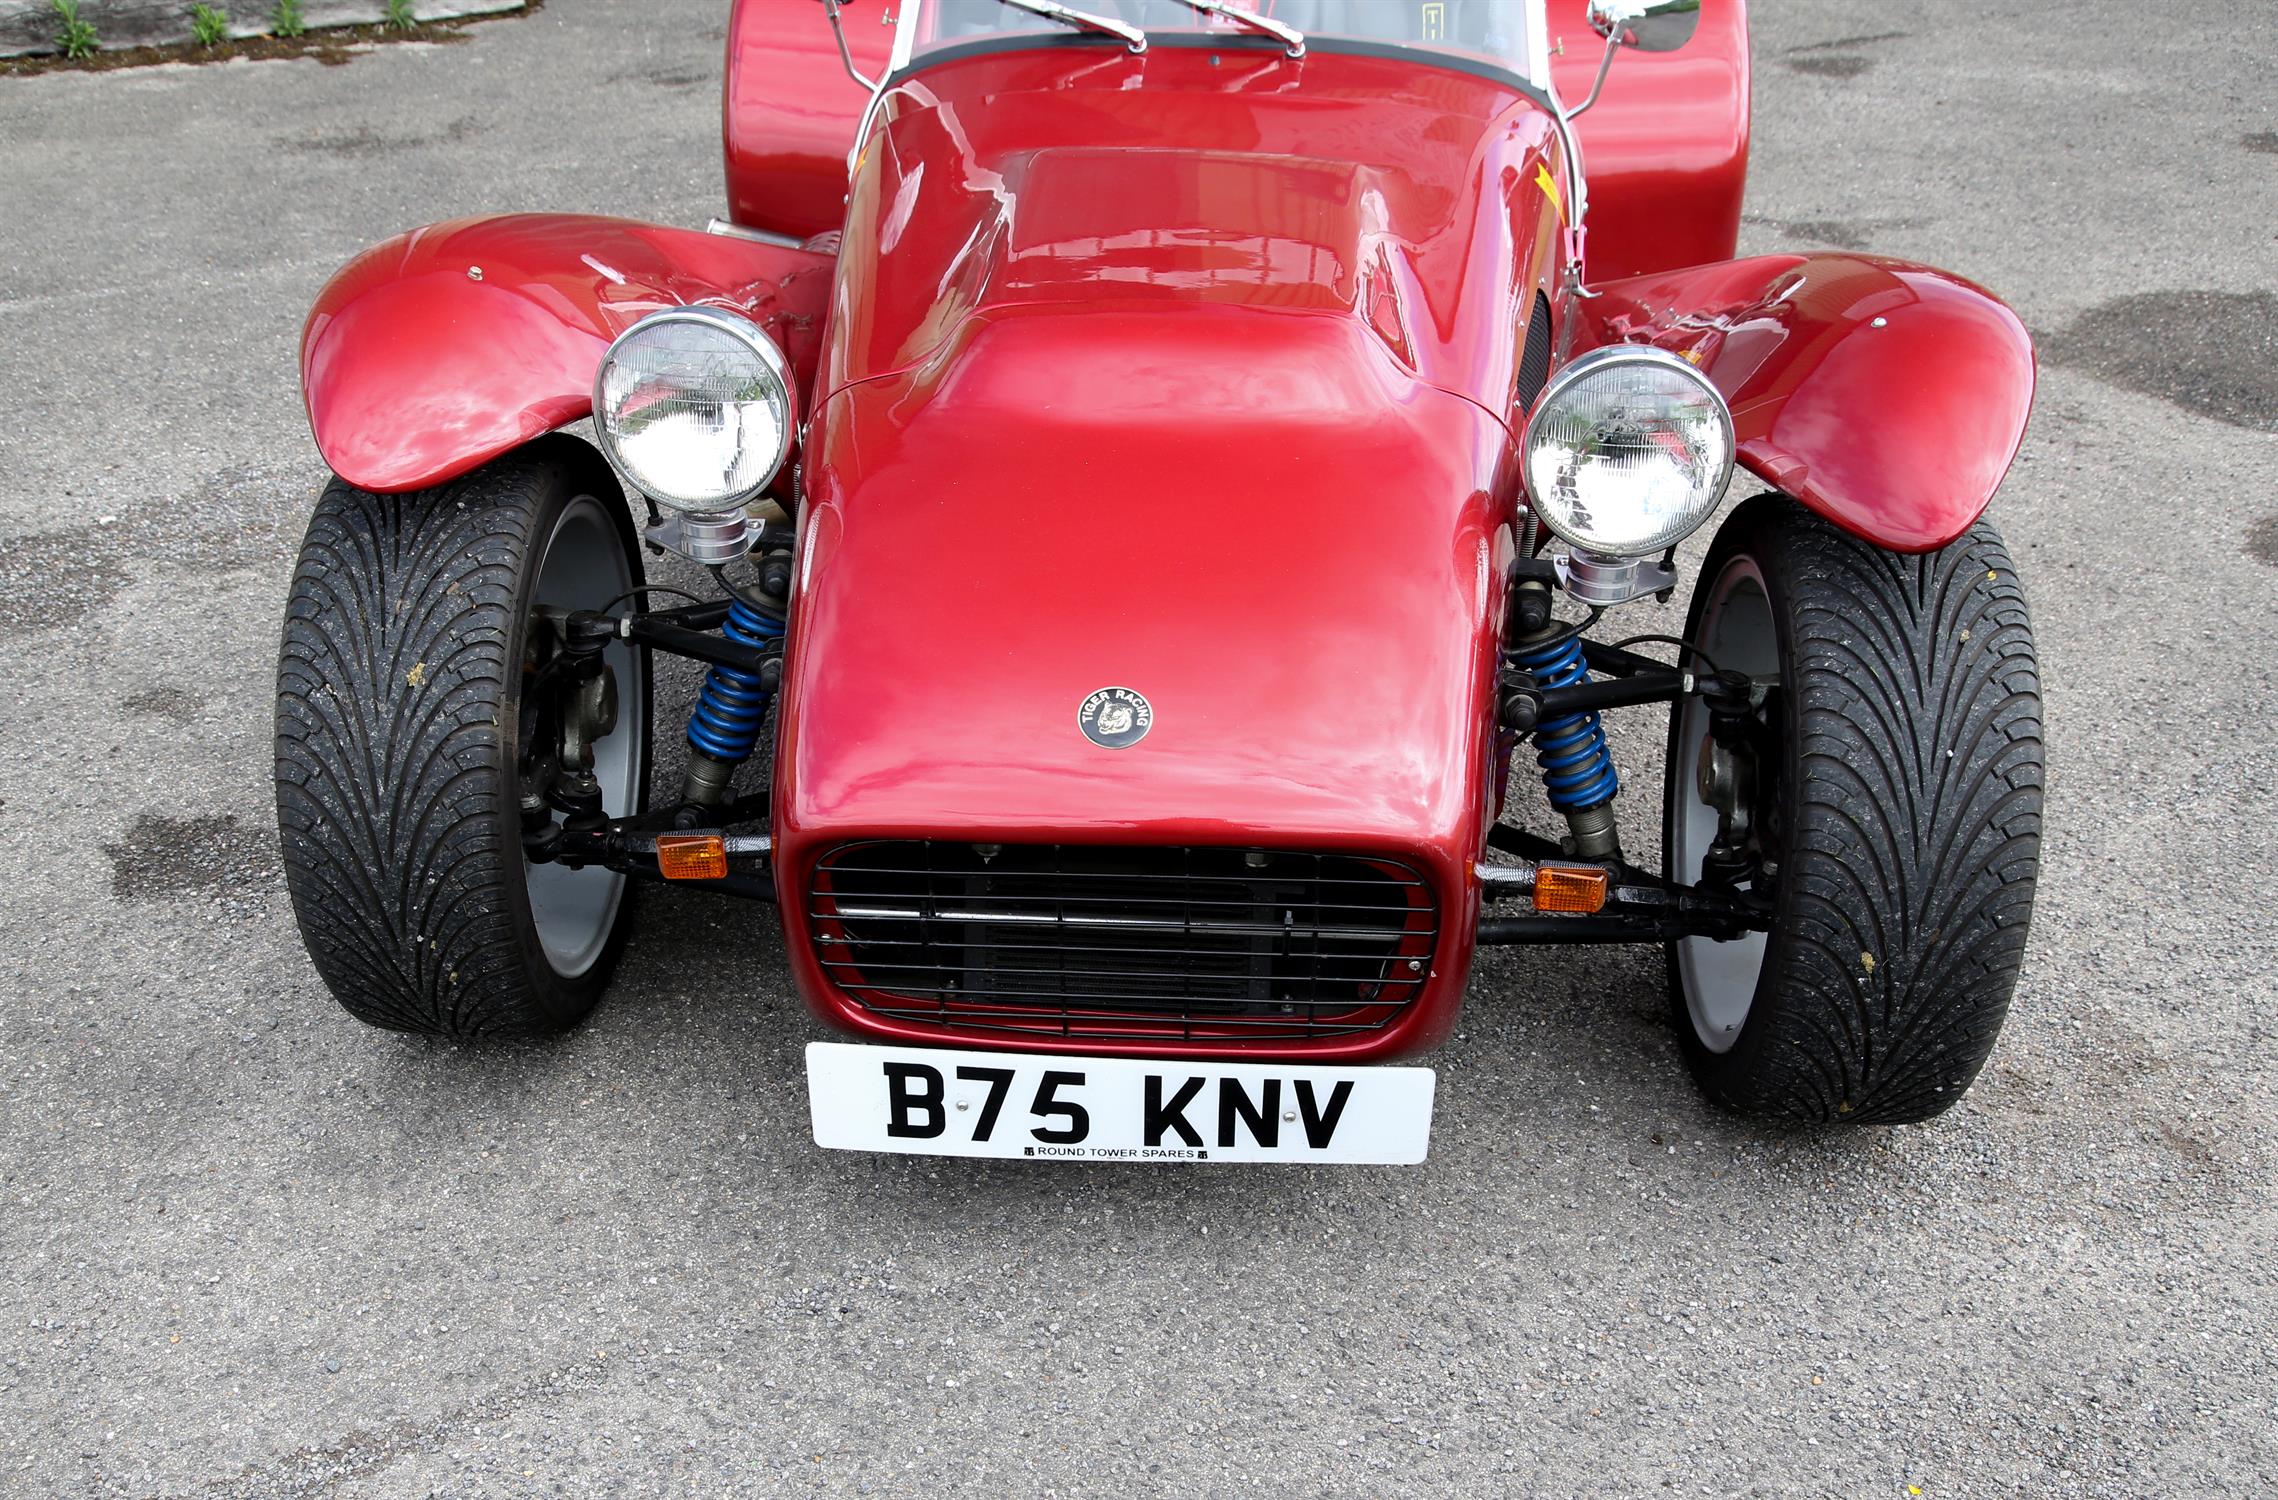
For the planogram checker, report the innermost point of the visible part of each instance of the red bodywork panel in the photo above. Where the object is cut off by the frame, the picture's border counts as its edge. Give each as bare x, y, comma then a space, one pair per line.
1665, 148
789, 109
437, 351
1405, 199
1889, 397
1318, 648
1666, 145
1226, 427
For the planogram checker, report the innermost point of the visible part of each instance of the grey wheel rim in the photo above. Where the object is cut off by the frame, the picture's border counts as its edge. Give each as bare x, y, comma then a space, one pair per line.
1719, 980
583, 566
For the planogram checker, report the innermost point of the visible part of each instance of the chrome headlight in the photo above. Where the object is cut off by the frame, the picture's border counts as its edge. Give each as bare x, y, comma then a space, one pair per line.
694, 406
1628, 451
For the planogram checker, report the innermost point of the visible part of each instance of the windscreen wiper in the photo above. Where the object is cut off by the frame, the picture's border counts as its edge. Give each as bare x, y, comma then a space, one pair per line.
1281, 31
1083, 20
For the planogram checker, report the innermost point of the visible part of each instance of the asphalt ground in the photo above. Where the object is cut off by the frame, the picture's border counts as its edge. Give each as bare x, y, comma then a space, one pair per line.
249, 1248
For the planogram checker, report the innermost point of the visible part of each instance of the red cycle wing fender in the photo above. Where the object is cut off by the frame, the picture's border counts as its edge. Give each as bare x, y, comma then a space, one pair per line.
435, 352
1665, 148
788, 112
1888, 397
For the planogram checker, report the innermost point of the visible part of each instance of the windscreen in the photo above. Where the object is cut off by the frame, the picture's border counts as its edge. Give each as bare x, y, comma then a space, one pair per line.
1495, 30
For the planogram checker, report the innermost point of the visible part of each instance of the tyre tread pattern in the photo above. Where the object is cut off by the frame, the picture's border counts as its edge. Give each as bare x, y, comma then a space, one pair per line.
1917, 785
394, 751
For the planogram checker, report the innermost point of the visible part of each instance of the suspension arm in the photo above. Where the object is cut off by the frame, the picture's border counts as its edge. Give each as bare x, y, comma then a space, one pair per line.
1526, 703
652, 630
1640, 908
622, 845
1660, 685
1606, 927
705, 616
1613, 661
691, 632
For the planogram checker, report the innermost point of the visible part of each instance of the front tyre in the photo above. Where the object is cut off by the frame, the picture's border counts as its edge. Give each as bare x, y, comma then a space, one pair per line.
1896, 812
414, 625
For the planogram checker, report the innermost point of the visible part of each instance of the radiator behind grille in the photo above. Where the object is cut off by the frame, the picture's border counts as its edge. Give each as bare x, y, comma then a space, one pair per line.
1123, 943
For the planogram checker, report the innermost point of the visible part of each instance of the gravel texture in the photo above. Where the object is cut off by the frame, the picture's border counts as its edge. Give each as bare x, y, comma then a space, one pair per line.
248, 1248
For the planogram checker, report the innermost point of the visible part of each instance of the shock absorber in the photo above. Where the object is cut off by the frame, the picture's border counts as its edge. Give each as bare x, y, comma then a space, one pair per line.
1577, 769
731, 706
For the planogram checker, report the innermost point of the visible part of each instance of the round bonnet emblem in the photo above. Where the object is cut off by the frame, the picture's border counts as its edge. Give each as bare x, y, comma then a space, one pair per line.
1115, 717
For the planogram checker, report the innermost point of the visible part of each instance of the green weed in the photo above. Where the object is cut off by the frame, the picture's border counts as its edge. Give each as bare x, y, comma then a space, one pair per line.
209, 25
399, 16
286, 19
76, 38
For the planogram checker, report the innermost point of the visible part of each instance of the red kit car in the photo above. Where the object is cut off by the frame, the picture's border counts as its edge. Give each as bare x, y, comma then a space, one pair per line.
1178, 483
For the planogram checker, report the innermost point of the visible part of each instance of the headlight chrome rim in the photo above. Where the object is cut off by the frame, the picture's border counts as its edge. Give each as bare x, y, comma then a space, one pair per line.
772, 361
1597, 361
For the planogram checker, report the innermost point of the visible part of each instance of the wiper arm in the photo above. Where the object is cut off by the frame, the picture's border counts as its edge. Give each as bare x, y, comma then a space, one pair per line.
1082, 20
1281, 31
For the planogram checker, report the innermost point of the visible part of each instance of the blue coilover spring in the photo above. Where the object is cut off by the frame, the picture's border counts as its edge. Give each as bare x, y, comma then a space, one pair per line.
732, 704
1577, 768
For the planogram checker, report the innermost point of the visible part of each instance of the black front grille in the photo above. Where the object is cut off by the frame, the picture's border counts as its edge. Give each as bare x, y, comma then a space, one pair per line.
1130, 944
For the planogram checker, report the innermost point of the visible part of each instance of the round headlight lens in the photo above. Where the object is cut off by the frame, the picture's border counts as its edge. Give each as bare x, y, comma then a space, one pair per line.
1628, 451
695, 407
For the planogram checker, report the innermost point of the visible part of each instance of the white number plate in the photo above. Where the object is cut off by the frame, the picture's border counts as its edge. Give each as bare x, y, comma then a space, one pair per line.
929, 1103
